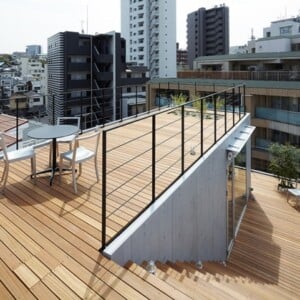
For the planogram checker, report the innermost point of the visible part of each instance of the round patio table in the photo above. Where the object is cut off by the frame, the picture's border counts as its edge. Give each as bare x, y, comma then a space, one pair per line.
52, 132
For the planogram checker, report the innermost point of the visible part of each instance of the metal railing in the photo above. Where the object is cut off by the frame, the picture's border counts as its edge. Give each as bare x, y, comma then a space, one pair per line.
94, 107
166, 140
243, 75
143, 158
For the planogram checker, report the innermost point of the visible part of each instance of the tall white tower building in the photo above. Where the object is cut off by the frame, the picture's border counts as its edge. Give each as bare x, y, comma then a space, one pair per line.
149, 27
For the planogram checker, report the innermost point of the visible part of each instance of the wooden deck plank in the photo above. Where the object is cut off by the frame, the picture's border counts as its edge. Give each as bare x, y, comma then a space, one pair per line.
54, 235
4, 293
66, 246
13, 284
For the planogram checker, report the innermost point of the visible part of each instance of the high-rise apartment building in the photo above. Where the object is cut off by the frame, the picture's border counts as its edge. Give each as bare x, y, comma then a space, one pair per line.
207, 32
85, 67
149, 28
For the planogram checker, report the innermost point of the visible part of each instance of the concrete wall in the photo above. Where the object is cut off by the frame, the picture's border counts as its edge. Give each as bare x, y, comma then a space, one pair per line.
189, 221
278, 45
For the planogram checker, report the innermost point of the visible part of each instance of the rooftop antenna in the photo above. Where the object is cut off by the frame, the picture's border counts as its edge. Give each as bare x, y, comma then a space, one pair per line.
252, 35
285, 12
87, 19
82, 30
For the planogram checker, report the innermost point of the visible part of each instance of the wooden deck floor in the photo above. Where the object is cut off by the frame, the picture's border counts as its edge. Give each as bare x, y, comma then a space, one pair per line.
49, 240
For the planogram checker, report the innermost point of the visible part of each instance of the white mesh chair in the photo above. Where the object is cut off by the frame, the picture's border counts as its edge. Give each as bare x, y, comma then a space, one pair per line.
68, 121
13, 156
79, 154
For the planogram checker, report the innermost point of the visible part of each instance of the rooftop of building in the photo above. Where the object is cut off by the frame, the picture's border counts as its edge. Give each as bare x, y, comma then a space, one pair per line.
50, 240
249, 56
290, 37
295, 19
284, 85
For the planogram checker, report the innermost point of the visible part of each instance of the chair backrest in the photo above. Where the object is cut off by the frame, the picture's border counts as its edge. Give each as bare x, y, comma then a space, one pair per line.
3, 145
68, 121
92, 140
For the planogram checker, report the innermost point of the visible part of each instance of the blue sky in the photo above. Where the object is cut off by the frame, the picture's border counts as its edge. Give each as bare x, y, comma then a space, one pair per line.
25, 22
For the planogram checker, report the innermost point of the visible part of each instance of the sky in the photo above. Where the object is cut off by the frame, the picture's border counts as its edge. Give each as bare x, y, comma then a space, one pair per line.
27, 22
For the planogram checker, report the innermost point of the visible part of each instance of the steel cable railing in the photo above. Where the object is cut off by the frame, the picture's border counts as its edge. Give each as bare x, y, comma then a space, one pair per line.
159, 161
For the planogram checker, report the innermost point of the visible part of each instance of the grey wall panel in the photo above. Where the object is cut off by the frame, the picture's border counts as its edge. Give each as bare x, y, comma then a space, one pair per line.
189, 221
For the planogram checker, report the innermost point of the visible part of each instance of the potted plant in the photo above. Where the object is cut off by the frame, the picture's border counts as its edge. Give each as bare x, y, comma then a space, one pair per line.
284, 164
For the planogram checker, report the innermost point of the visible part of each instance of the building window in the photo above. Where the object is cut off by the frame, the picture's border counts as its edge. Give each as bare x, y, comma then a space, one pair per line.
285, 30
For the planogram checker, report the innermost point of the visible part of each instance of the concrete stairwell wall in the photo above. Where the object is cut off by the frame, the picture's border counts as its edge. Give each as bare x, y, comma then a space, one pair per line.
188, 222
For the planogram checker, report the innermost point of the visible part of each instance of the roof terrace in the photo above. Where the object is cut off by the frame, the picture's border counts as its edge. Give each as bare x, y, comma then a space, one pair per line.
50, 237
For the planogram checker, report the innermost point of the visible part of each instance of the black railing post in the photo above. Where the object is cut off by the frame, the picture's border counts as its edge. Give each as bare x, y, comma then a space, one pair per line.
81, 111
233, 107
53, 109
244, 92
159, 96
182, 139
17, 123
136, 101
240, 100
153, 157
121, 104
201, 123
169, 94
103, 190
225, 111
103, 108
148, 97
215, 117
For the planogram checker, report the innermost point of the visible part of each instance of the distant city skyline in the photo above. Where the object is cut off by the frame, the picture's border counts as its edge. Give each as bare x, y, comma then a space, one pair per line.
33, 22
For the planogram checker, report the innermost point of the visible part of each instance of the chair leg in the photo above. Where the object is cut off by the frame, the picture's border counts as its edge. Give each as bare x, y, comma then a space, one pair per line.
60, 164
5, 174
50, 155
74, 178
80, 169
96, 169
33, 168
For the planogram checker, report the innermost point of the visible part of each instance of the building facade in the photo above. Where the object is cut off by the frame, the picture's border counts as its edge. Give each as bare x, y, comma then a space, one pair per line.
182, 62
33, 50
272, 83
207, 32
33, 69
150, 33
281, 36
133, 90
84, 72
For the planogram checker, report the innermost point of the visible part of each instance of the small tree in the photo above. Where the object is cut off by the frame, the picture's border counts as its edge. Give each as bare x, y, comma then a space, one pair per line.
285, 160
197, 105
178, 100
220, 102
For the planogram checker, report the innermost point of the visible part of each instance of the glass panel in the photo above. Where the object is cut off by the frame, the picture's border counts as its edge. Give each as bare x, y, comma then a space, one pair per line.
230, 228
240, 183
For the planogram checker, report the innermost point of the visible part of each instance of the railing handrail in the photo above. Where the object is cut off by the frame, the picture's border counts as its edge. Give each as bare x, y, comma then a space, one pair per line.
269, 75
